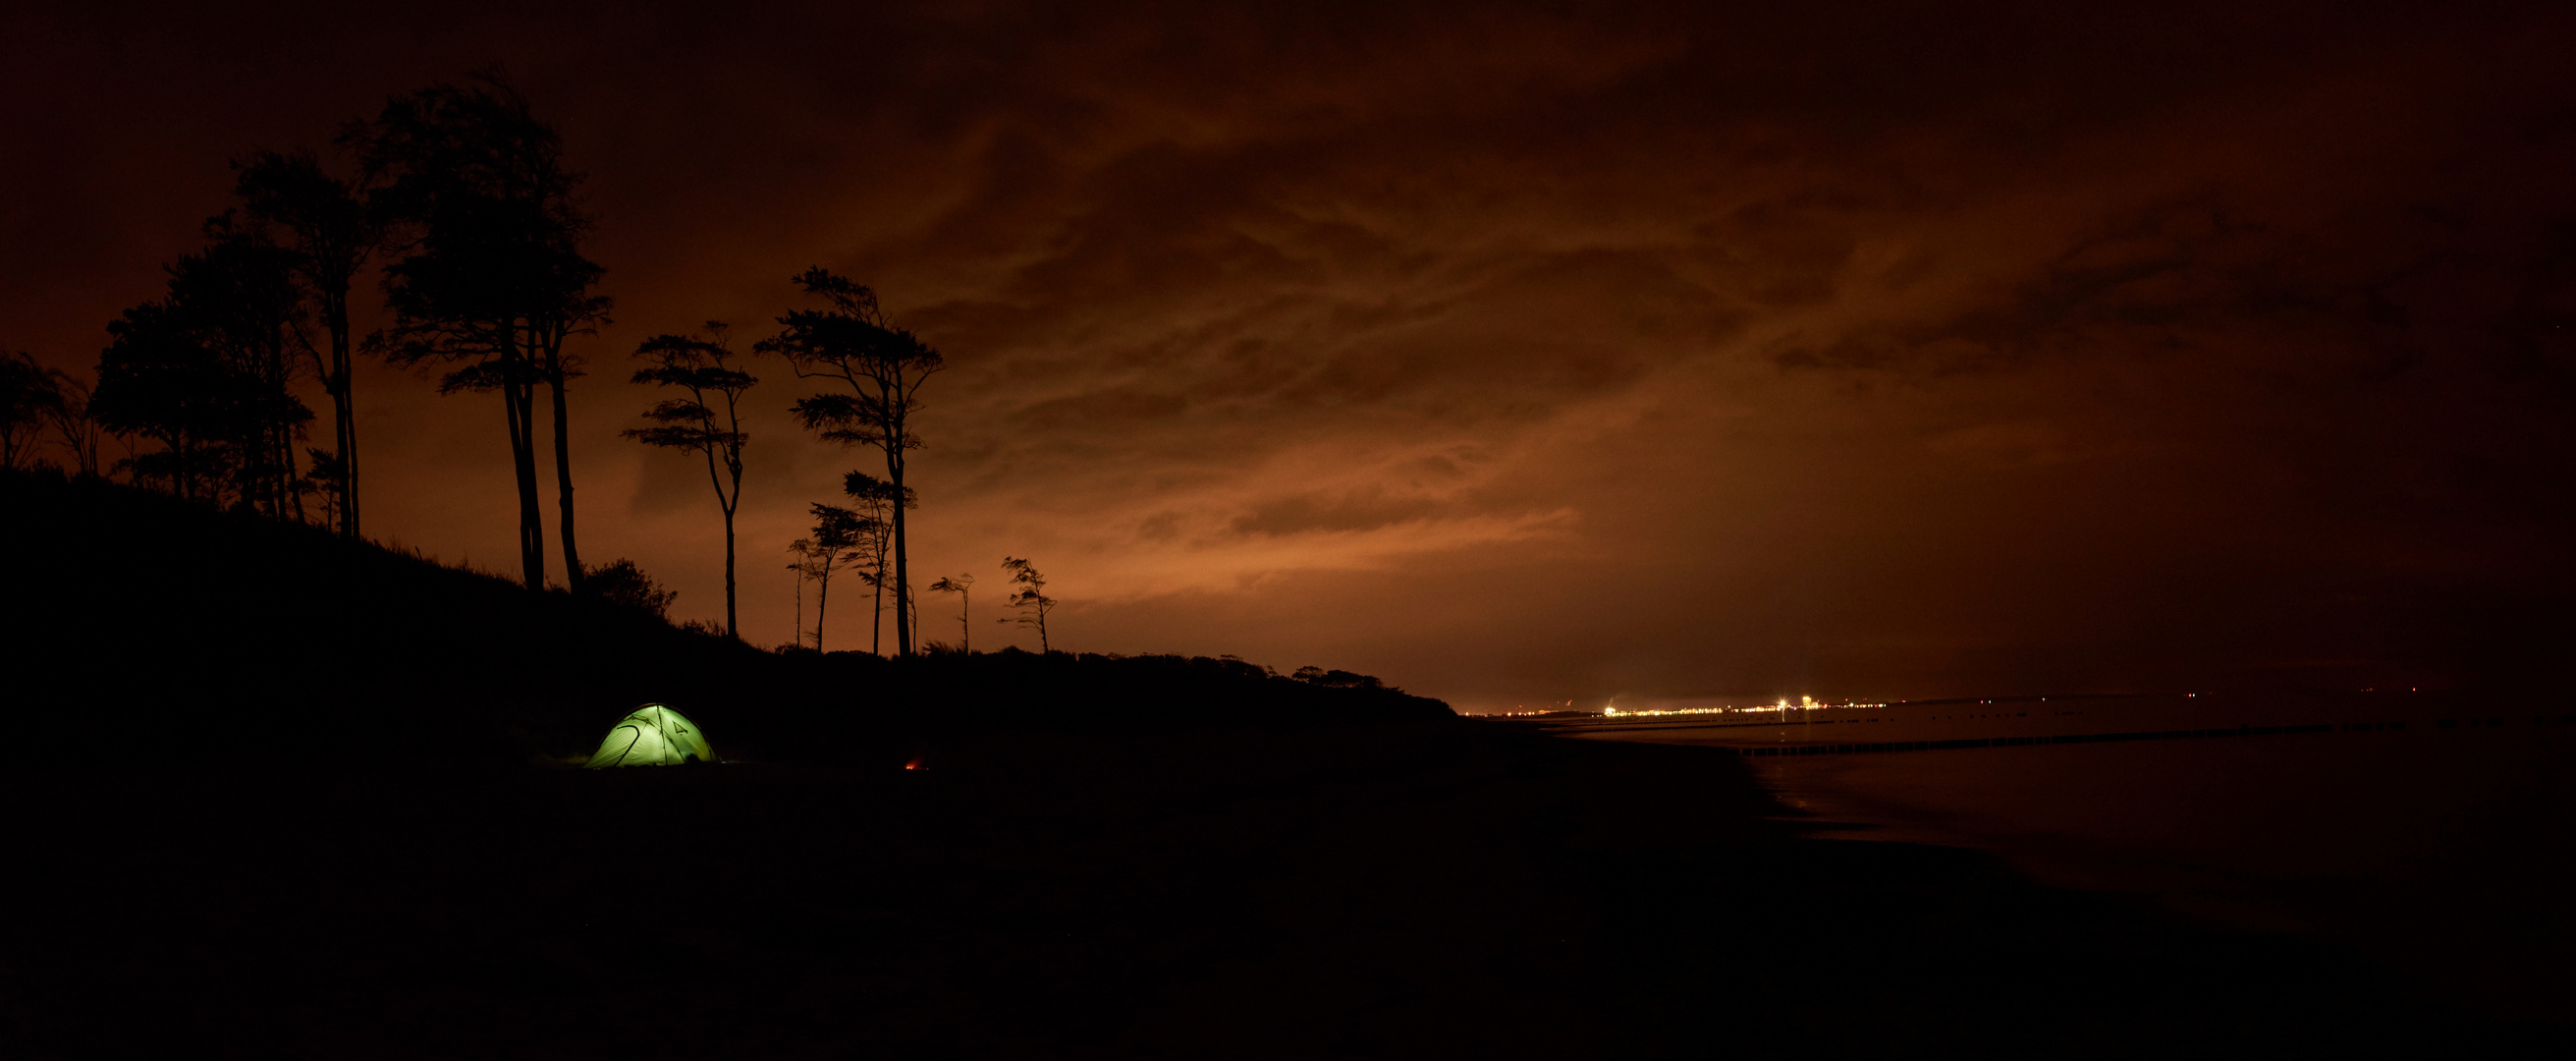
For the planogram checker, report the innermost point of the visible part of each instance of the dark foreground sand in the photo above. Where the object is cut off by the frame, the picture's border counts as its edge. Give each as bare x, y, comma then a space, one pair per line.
1433, 891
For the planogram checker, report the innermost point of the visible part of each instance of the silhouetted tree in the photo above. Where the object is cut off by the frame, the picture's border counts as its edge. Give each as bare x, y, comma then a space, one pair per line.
703, 368
961, 585
875, 498
242, 291
491, 274
837, 533
74, 424
157, 380
883, 368
205, 371
330, 230
1031, 599
31, 396
622, 583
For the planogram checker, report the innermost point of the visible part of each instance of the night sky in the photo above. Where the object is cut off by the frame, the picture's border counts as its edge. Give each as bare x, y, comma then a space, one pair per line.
1512, 354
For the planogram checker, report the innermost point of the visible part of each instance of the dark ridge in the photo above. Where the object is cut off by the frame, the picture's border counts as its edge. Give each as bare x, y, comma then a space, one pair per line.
144, 626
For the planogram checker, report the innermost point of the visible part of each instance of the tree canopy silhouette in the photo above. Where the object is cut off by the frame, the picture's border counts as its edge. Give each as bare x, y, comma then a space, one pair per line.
204, 372
962, 586
73, 424
703, 367
837, 534
875, 504
329, 231
491, 275
157, 379
882, 368
1031, 599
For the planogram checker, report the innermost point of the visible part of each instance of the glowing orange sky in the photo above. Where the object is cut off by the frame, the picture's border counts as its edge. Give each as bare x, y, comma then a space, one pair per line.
1885, 349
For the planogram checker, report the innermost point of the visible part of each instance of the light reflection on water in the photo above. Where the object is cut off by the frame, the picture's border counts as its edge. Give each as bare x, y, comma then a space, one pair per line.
2443, 851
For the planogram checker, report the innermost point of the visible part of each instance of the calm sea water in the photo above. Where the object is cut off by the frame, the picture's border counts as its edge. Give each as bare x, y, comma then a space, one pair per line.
2444, 851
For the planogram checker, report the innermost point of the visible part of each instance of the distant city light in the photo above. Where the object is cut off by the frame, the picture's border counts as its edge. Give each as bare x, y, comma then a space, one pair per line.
1805, 703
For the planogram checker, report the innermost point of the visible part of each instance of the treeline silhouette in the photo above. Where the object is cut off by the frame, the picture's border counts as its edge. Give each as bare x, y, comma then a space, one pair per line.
464, 190
146, 626
464, 193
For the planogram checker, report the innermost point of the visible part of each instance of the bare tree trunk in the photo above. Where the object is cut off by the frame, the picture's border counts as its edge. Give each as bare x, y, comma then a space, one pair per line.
902, 579
349, 527
519, 397
286, 475
260, 468
573, 573
822, 595
727, 505
344, 426
879, 540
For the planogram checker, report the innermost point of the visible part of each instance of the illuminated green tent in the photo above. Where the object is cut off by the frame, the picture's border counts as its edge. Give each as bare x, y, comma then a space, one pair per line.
653, 735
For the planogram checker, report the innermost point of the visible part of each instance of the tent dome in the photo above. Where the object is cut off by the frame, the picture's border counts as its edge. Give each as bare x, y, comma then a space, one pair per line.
652, 735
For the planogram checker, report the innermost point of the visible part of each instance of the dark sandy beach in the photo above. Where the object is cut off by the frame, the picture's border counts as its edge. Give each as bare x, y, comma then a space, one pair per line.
1461, 890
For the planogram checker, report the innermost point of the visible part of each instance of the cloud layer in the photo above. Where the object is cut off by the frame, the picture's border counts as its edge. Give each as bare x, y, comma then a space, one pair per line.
1516, 357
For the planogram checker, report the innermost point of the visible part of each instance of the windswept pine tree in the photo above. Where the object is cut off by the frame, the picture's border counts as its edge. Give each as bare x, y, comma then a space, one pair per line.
880, 369
963, 586
1031, 599
837, 535
704, 368
874, 500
